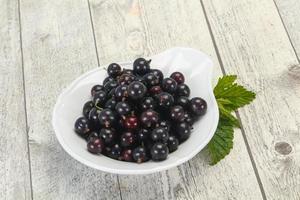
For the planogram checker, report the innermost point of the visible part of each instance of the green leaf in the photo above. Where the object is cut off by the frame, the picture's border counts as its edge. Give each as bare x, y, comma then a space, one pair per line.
226, 115
222, 142
232, 95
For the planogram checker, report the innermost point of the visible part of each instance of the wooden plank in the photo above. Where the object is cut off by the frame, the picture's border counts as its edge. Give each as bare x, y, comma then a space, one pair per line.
58, 46
289, 12
253, 44
125, 30
14, 163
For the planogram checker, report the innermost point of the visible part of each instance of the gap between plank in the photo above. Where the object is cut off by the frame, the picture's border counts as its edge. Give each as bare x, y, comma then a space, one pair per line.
24, 96
237, 113
93, 30
98, 61
288, 35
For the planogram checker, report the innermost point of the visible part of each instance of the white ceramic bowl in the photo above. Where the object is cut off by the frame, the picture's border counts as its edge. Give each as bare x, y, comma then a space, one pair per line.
197, 68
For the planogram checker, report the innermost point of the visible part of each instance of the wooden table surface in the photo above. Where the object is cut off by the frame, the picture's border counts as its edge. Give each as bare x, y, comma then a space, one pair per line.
44, 45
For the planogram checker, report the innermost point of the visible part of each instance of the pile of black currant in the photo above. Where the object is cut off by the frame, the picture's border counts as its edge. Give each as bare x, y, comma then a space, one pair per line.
137, 115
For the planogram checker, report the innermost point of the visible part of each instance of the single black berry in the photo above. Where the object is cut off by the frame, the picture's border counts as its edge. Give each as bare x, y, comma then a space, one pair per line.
177, 113
126, 155
198, 106
183, 131
159, 152
136, 90
143, 135
178, 77
114, 70
110, 85
169, 85
123, 108
108, 135
183, 101
127, 139
96, 88
107, 79
165, 100
158, 73
150, 80
149, 118
141, 66
100, 99
115, 152
139, 154
121, 92
87, 107
107, 118
82, 126
95, 145
160, 134
183, 90
111, 104
148, 103
172, 143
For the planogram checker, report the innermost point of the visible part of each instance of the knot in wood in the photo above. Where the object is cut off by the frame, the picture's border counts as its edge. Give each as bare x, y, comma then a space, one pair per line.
283, 148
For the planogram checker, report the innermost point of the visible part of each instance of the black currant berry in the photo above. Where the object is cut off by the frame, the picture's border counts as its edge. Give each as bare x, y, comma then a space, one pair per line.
95, 145
126, 155
115, 152
100, 99
183, 90
169, 85
114, 70
96, 88
178, 77
160, 134
87, 107
110, 85
177, 113
127, 139
139, 154
123, 108
165, 100
107, 118
143, 135
92, 135
183, 101
148, 103
121, 92
107, 79
172, 143
136, 90
150, 80
159, 152
149, 118
111, 104
82, 126
158, 73
155, 90
141, 66
94, 118
183, 131
108, 135
165, 124
198, 106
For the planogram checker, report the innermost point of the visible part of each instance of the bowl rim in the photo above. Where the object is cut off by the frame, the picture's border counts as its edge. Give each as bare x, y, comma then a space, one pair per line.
139, 171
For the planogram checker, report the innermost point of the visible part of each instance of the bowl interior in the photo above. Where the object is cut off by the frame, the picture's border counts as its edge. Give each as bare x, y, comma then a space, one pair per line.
197, 68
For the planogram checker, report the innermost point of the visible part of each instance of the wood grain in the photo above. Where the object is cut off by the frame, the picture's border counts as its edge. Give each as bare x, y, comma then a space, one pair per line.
253, 44
289, 12
127, 29
58, 46
14, 165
